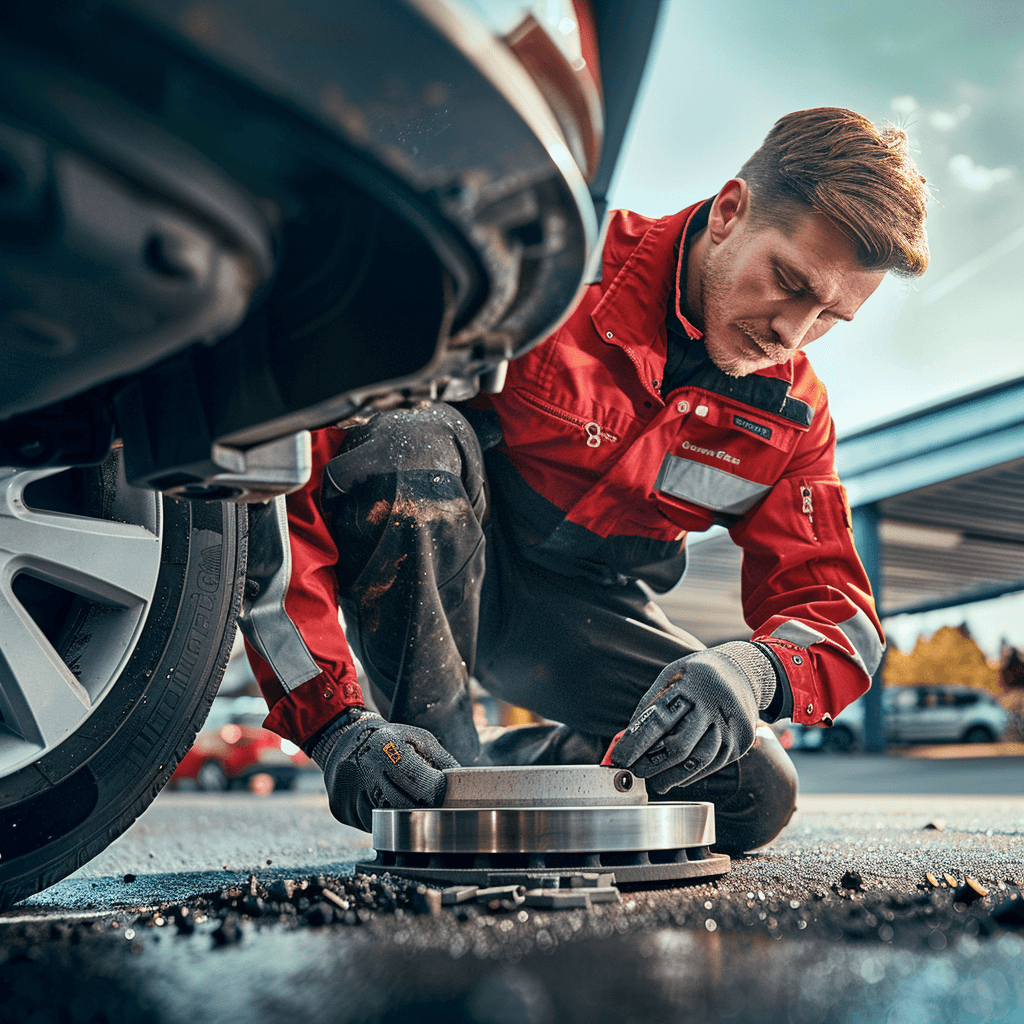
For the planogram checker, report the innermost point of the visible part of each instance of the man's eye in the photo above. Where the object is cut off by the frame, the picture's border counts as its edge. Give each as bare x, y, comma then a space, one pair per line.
786, 287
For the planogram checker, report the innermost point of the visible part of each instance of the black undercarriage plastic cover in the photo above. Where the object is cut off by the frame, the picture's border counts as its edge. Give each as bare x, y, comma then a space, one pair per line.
223, 224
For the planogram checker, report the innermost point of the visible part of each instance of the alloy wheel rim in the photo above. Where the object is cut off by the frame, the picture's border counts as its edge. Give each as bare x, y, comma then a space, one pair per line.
109, 564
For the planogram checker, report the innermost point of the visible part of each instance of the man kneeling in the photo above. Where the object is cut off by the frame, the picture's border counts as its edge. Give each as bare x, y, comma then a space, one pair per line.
509, 538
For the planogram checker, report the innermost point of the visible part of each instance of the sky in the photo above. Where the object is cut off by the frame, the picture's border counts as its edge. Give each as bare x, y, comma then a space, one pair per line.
952, 75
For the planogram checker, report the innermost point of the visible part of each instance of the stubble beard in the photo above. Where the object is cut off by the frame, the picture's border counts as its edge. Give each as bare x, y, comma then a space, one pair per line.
716, 276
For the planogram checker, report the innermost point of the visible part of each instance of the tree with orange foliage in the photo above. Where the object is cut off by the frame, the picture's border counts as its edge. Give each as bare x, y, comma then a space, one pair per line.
949, 657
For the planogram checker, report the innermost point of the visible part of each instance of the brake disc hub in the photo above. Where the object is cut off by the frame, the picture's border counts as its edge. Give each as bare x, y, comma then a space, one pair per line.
509, 825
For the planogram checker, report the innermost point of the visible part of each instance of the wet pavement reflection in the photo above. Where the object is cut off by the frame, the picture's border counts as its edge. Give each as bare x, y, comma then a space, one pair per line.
666, 974
216, 909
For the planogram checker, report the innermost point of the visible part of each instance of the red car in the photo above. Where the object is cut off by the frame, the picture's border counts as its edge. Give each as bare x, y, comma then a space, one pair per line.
233, 751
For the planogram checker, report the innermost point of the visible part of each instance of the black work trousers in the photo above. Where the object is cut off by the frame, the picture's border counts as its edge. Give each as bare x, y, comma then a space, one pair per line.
434, 591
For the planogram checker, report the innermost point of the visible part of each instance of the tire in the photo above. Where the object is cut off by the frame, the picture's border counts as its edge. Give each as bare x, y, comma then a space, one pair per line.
837, 740
978, 734
211, 778
117, 611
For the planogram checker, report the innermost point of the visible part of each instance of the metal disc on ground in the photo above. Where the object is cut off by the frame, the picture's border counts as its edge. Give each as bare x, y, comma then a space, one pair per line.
523, 823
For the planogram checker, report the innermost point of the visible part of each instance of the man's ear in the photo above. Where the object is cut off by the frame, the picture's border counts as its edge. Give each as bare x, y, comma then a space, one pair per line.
729, 210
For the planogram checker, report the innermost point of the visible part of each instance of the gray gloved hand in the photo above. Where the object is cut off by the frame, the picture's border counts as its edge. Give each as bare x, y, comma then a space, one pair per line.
369, 762
700, 715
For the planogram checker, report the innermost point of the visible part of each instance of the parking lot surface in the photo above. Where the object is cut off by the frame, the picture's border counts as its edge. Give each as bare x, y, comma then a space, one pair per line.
835, 921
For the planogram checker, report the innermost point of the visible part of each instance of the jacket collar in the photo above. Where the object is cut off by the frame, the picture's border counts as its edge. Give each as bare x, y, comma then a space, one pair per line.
695, 223
632, 309
631, 313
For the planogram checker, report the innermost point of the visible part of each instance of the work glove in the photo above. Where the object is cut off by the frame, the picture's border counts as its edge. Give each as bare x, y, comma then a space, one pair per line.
700, 715
369, 762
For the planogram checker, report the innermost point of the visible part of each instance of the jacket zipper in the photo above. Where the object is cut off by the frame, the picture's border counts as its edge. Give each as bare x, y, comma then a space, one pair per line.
807, 507
594, 432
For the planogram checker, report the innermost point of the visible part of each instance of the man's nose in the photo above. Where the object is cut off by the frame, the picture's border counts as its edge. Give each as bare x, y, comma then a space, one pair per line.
791, 326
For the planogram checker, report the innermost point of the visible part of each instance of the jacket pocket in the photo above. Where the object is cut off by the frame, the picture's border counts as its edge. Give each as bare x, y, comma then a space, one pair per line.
823, 509
707, 486
591, 432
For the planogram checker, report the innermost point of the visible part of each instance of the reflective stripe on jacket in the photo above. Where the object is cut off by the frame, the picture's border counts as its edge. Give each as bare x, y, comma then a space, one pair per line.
293, 636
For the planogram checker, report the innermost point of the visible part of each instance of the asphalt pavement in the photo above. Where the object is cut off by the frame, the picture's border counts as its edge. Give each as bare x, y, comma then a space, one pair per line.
915, 774
183, 919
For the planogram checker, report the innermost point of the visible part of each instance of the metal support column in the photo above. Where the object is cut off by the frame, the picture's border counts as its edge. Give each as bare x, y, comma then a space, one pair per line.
865, 536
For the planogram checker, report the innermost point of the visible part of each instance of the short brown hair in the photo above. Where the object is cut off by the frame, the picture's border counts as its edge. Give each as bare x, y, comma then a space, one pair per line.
857, 174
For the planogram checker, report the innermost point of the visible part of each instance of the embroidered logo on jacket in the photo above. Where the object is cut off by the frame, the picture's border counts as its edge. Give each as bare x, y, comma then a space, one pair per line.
724, 456
755, 428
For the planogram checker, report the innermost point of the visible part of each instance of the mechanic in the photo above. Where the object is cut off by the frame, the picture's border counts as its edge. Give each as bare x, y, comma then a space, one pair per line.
512, 538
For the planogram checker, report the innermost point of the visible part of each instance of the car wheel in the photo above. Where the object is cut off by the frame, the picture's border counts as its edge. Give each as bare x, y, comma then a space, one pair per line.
117, 611
211, 778
837, 740
978, 734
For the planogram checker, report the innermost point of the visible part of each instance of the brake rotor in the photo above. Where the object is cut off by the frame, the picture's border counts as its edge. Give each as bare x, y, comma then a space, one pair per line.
501, 826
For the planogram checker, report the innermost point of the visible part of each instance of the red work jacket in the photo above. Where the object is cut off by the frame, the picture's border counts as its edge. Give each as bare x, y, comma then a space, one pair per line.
586, 428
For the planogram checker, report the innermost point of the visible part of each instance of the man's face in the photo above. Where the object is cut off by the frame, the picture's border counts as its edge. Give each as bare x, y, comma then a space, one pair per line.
765, 294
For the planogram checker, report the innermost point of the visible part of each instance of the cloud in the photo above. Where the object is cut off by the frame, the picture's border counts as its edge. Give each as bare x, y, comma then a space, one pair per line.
975, 177
904, 105
947, 120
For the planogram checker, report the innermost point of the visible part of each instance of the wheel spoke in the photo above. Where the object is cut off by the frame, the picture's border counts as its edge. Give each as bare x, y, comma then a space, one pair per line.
114, 563
39, 697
